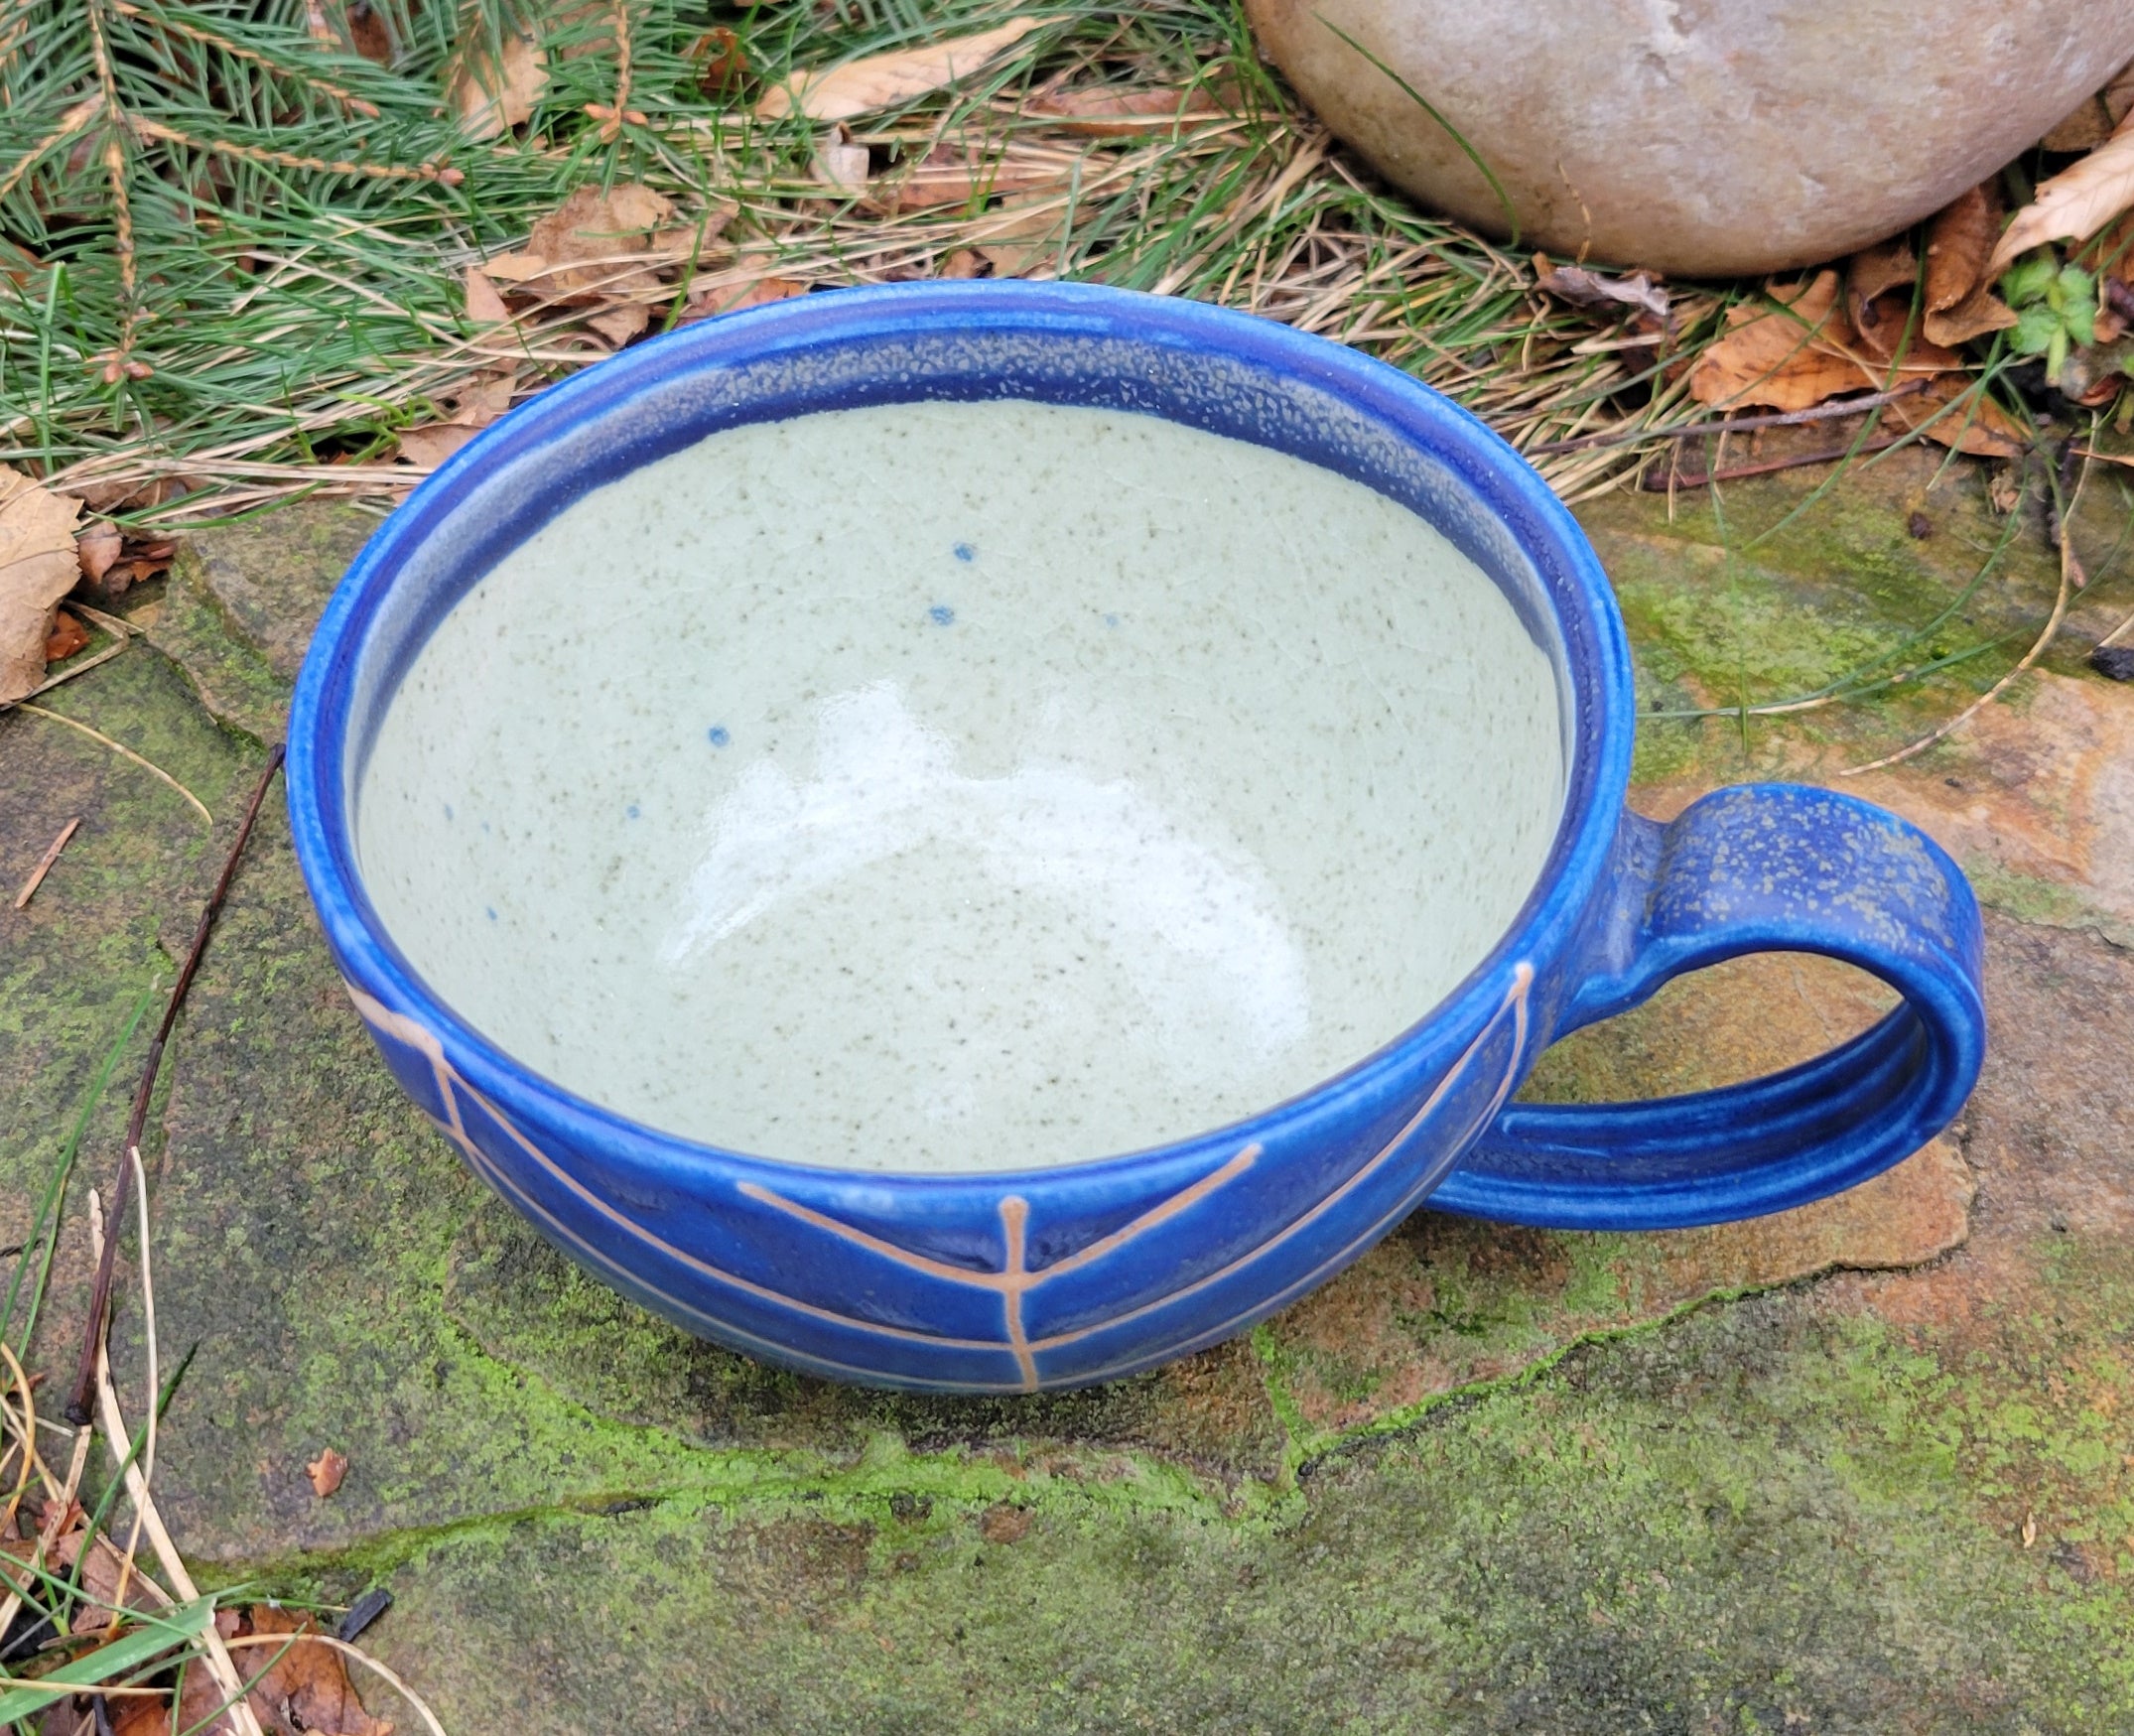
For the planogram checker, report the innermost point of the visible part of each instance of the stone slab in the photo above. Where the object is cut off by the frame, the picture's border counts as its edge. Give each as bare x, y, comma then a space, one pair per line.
1767, 1476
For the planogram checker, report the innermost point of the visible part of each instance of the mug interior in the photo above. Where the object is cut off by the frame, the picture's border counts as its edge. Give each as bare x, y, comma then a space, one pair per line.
1362, 779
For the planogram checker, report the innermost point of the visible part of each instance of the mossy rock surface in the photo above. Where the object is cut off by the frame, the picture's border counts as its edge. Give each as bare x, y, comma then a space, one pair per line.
1773, 1477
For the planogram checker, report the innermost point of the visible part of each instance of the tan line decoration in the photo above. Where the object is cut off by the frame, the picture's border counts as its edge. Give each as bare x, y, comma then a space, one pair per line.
1014, 1281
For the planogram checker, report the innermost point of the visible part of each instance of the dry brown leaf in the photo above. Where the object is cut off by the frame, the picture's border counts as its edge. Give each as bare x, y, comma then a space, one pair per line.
1958, 246
306, 1690
580, 252
951, 175
101, 1573
2119, 95
841, 164
483, 399
97, 548
620, 323
430, 444
326, 1471
732, 298
67, 636
370, 34
1005, 1523
879, 81
2112, 253
719, 59
1874, 271
1980, 426
485, 307
2088, 126
1023, 235
1786, 361
960, 264
1961, 303
1593, 289
136, 1716
491, 95
2074, 204
1102, 111
39, 564
515, 268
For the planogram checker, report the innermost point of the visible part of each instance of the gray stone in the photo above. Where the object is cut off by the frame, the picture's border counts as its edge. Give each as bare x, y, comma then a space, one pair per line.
1702, 137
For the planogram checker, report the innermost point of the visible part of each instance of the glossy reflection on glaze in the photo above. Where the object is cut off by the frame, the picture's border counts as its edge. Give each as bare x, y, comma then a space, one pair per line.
962, 786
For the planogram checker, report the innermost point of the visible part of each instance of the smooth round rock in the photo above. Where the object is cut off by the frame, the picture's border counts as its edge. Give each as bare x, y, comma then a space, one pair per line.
1699, 137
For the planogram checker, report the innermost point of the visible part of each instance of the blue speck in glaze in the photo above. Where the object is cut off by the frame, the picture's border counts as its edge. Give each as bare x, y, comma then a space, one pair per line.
491, 909
941, 614
965, 552
1111, 620
632, 810
448, 810
716, 735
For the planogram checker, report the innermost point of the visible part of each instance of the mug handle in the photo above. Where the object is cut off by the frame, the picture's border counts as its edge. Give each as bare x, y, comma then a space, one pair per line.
1760, 868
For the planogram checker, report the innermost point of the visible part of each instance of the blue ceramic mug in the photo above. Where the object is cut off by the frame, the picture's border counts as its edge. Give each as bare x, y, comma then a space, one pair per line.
1019, 1278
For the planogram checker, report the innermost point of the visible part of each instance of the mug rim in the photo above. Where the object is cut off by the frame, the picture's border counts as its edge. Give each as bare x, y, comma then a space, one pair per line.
1590, 646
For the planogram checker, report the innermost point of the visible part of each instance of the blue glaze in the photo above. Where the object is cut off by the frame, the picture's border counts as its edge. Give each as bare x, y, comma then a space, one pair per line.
965, 552
1010, 1280
941, 615
716, 735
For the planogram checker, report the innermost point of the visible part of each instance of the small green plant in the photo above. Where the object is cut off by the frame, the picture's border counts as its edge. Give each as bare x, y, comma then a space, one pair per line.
2055, 308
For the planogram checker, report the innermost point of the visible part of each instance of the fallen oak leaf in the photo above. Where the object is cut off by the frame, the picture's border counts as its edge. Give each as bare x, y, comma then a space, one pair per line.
483, 399
1959, 299
326, 1471
2074, 204
494, 93
2119, 95
1106, 111
620, 323
370, 34
97, 548
1022, 234
1979, 427
1593, 289
428, 447
1780, 358
839, 163
950, 175
719, 59
67, 636
484, 306
883, 80
734, 298
2083, 129
583, 249
38, 563
305, 1690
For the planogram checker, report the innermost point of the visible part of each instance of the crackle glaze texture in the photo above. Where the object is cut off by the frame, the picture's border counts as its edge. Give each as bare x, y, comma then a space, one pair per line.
976, 786
1012, 1280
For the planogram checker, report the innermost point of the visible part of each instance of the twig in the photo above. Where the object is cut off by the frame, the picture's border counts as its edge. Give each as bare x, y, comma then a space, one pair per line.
36, 879
78, 1408
119, 748
2071, 580
71, 123
151, 129
222, 44
1763, 466
1726, 425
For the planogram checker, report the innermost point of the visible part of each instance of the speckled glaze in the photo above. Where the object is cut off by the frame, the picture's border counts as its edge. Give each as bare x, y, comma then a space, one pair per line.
1096, 782
1036, 1277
